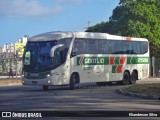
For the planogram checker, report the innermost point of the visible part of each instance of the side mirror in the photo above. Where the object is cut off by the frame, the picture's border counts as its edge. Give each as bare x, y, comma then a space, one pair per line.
74, 53
54, 48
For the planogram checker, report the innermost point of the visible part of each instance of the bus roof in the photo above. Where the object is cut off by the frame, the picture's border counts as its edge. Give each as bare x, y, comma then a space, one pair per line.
49, 36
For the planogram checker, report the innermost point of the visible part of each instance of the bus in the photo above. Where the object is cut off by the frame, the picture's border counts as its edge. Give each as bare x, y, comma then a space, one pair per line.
70, 58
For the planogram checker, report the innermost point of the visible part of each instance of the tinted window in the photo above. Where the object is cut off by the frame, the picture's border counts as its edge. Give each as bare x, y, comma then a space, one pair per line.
85, 46
127, 47
94, 46
117, 47
144, 47
105, 47
37, 55
136, 47
61, 53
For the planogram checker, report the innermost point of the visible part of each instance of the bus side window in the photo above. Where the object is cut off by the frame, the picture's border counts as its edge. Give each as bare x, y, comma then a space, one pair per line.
113, 47
76, 50
63, 55
127, 47
91, 46
57, 58
144, 47
136, 47
135, 50
119, 48
104, 47
116, 46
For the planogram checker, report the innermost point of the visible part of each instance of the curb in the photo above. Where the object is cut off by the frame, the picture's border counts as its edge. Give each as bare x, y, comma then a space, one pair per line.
153, 97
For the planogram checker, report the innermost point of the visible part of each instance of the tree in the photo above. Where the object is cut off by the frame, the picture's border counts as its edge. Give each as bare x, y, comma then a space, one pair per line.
100, 27
136, 18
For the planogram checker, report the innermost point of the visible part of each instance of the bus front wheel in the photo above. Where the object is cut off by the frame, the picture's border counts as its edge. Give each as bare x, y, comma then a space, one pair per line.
45, 87
72, 82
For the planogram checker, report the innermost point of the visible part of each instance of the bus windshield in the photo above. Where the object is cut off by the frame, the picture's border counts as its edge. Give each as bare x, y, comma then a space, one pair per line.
37, 56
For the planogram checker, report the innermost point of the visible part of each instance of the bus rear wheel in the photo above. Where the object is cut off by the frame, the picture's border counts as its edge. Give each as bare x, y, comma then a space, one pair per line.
134, 77
45, 87
126, 78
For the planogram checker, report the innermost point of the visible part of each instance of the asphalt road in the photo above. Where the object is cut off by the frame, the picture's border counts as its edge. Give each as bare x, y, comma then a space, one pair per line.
84, 98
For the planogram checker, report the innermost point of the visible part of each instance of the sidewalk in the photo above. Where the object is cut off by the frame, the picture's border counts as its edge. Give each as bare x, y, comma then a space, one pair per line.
148, 80
5, 77
6, 81
152, 83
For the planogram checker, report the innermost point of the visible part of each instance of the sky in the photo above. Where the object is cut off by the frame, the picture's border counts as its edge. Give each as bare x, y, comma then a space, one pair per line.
32, 17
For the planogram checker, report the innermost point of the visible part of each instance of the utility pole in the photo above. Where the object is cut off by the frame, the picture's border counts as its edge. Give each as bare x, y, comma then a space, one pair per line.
89, 23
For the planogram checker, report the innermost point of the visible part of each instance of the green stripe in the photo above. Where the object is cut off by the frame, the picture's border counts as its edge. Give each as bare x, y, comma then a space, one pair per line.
129, 60
117, 59
78, 60
105, 60
114, 68
138, 60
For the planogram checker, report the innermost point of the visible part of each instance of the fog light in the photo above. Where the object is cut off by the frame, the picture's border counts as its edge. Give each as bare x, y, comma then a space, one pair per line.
49, 81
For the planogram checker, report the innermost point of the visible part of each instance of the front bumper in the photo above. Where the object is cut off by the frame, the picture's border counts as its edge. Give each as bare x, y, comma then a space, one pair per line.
38, 82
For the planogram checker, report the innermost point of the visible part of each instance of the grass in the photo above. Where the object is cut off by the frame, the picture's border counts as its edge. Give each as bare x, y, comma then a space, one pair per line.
148, 89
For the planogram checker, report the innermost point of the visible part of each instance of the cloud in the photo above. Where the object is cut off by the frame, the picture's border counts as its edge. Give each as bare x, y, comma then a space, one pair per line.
70, 1
26, 8
33, 8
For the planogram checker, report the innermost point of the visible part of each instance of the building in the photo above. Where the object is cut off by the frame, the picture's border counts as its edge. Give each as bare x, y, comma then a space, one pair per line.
9, 50
8, 57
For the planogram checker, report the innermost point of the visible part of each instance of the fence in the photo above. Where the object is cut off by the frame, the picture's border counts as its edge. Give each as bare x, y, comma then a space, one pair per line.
11, 63
155, 67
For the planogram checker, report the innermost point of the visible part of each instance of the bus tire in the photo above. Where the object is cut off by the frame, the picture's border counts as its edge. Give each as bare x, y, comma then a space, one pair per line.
45, 87
134, 77
126, 78
72, 82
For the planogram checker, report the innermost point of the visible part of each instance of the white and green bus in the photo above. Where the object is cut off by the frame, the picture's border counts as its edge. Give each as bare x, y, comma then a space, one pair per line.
69, 58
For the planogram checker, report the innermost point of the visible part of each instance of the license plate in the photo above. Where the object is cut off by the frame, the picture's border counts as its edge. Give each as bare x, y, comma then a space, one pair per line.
34, 82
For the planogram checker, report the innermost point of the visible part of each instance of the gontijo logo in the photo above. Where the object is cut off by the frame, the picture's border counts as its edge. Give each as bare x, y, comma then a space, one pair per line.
92, 60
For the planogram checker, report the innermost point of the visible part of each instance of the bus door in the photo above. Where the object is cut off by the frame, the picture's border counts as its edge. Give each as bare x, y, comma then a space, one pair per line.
63, 65
98, 72
82, 53
85, 71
